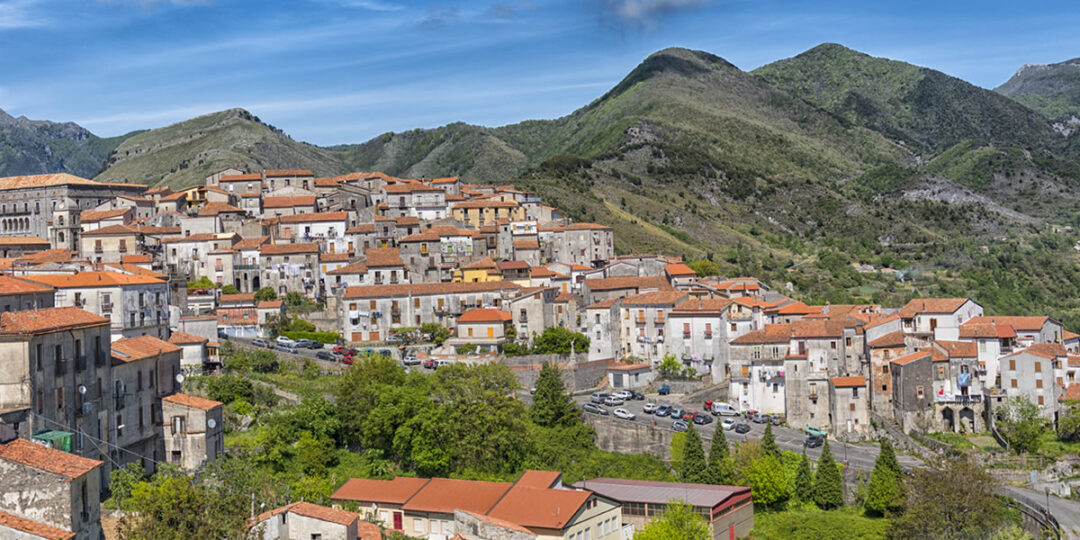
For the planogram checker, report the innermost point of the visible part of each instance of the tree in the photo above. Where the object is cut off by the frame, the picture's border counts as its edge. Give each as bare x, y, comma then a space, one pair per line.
885, 494
670, 367
229, 289
1021, 423
201, 283
559, 340
1069, 422
438, 332
767, 480
952, 498
265, 294
694, 470
804, 481
705, 267
721, 467
552, 406
679, 522
123, 480
768, 442
828, 484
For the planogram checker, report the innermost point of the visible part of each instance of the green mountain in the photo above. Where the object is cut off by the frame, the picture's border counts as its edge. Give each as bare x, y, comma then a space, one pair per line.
183, 154
36, 147
1053, 90
925, 109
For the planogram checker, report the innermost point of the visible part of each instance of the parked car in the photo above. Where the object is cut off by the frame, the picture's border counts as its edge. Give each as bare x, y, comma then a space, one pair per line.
385, 353
624, 395
701, 419
727, 424
259, 342
676, 413
595, 409
689, 415
613, 400
679, 425
635, 395
742, 427
346, 360
720, 408
323, 355
429, 363
442, 363
312, 344
663, 410
813, 441
649, 408
598, 397
811, 430
339, 349
665, 390
411, 360
624, 414
282, 340
285, 347
761, 418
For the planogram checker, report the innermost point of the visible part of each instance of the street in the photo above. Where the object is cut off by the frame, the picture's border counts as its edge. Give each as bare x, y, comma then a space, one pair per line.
308, 353
860, 456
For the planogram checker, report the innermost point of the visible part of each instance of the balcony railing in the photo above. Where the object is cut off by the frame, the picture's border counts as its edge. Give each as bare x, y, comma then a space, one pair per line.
959, 398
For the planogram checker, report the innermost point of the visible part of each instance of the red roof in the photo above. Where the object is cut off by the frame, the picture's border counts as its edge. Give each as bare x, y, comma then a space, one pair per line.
10, 285
288, 202
321, 513
47, 459
314, 218
289, 249
419, 289
395, 491
240, 177
702, 305
906, 359
680, 270
444, 495
890, 340
484, 315
931, 305
48, 320
194, 402
666, 298
383, 257
183, 338
245, 298
539, 507
33, 528
845, 382
141, 348
630, 282
288, 172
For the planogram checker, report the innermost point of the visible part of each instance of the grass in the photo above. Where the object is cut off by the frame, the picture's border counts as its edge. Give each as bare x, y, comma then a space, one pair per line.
812, 524
1052, 448
298, 383
957, 441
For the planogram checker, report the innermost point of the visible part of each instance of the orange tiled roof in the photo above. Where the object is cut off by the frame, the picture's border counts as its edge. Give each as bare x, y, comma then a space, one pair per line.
112, 229
47, 459
361, 229
48, 320
33, 528
277, 173
1045, 350
703, 305
772, 333
244, 316
444, 495
419, 289
316, 217
845, 382
289, 249
986, 330
383, 257
10, 285
680, 270
540, 507
194, 402
483, 315
1024, 324
630, 282
526, 244
183, 338
83, 280
289, 202
959, 349
141, 348
892, 339
94, 216
333, 257
931, 305
408, 188
49, 180
669, 298
215, 208
908, 358
23, 240
200, 237
240, 177
135, 259
321, 513
270, 304
250, 243
395, 491
247, 298
483, 264
354, 268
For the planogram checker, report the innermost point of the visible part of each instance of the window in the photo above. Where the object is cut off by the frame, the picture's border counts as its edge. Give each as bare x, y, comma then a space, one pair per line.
418, 525
119, 425
919, 391
832, 345
316, 536
1040, 401
142, 423
847, 342
1038, 383
851, 407
1038, 366
1013, 383
1012, 364
59, 399
855, 392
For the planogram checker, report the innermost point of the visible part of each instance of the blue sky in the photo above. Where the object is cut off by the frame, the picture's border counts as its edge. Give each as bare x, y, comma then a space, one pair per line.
343, 71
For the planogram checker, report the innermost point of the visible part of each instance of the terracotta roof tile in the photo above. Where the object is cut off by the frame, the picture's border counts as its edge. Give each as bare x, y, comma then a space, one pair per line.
482, 315
215, 208
278, 173
10, 285
250, 243
959, 349
135, 259
665, 298
845, 382
47, 459
526, 244
908, 358
702, 305
48, 180
1023, 324
83, 280
349, 269
772, 333
333, 257
987, 330
418, 289
183, 338
540, 507
321, 513
237, 316
195, 402
483, 264
890, 340
288, 202
141, 348
1045, 350
48, 320
679, 270
395, 491
630, 282
931, 305
288, 249
383, 257
37, 530
23, 240
240, 177
244, 298
444, 495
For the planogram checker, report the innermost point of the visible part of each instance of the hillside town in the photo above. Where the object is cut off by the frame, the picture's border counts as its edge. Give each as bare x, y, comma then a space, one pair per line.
114, 294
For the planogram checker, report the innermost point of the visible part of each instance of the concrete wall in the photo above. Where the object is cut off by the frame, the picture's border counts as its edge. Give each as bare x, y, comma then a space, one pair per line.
578, 374
624, 437
54, 500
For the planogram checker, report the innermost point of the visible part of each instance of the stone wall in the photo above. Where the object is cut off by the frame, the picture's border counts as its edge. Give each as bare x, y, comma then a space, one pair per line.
578, 373
613, 435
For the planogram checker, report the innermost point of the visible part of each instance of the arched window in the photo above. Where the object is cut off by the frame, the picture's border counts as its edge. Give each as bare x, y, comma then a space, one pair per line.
61, 238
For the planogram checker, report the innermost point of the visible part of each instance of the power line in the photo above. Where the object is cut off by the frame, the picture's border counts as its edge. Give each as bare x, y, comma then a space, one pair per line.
102, 441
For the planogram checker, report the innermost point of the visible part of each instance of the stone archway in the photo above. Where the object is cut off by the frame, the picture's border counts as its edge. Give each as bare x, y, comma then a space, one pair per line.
948, 420
967, 419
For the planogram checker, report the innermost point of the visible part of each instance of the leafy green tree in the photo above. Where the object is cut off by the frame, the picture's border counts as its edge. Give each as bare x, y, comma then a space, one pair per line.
694, 467
768, 442
1069, 422
123, 480
173, 507
559, 340
229, 289
228, 388
721, 467
360, 390
885, 494
1021, 423
705, 267
767, 480
552, 406
828, 483
804, 481
951, 498
265, 294
670, 367
202, 283
314, 454
438, 332
679, 522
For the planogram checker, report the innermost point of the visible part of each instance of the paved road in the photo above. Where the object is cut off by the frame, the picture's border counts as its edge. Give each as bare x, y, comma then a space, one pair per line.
1066, 511
310, 353
859, 456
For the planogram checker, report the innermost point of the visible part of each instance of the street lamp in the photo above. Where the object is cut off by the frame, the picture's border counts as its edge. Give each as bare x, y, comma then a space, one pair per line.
1047, 488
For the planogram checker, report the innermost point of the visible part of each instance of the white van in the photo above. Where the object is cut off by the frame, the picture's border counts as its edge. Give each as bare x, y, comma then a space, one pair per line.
724, 409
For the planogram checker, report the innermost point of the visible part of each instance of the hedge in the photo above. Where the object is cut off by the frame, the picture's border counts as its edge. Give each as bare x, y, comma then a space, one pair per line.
324, 337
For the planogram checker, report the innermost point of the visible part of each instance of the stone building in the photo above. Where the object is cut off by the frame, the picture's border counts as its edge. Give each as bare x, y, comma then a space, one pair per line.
20, 294
303, 520
194, 431
290, 267
136, 304
850, 416
644, 319
144, 371
603, 327
48, 493
912, 390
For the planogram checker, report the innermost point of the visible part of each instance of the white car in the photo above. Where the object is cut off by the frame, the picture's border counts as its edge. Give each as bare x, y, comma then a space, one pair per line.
623, 413
282, 340
728, 424
624, 395
649, 408
613, 401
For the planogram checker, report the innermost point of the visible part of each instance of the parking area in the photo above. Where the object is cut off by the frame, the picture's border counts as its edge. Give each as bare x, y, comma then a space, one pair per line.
860, 456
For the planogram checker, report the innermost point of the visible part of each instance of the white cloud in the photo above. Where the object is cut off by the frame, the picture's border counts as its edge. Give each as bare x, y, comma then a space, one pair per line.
373, 5
21, 14
647, 12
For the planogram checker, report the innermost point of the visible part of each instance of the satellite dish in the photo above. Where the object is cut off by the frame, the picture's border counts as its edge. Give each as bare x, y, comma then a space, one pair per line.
82, 389
180, 378
211, 423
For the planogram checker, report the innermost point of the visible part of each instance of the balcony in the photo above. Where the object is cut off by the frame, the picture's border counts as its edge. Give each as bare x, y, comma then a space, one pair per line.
640, 319
958, 399
87, 409
107, 308
80, 363
246, 267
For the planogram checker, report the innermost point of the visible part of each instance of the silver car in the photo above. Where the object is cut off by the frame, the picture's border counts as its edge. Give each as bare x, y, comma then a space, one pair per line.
613, 401
649, 408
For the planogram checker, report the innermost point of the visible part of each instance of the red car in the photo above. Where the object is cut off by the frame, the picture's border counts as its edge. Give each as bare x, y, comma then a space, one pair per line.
339, 349
429, 364
346, 360
689, 415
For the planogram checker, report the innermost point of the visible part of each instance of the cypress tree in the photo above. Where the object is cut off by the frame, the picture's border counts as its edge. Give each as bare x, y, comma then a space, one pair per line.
804, 481
885, 494
552, 406
721, 467
694, 468
828, 483
768, 443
